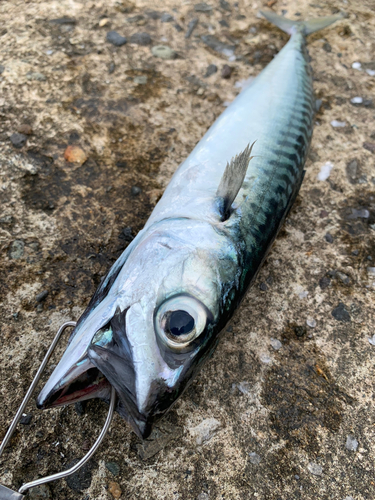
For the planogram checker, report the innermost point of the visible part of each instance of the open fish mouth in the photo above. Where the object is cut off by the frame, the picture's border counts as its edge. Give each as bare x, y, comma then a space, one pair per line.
83, 382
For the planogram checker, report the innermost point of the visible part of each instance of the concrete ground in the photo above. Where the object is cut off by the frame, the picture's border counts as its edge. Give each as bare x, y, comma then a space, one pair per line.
285, 408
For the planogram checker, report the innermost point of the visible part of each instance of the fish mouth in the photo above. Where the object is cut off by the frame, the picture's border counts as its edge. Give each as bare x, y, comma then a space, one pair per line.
83, 381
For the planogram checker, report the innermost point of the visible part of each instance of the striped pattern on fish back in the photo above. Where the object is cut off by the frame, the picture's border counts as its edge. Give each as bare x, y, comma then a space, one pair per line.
281, 164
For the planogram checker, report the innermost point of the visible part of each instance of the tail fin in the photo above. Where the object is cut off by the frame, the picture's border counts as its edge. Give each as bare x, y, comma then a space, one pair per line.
290, 26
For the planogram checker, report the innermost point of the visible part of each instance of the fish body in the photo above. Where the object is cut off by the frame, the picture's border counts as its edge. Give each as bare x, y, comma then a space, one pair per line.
158, 314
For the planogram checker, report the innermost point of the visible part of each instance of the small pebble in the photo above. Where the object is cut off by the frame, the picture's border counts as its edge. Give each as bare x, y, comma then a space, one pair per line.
263, 287
351, 443
25, 129
361, 213
327, 47
324, 282
372, 340
202, 7
25, 419
318, 104
356, 65
343, 277
42, 296
2, 69
211, 69
276, 344
325, 171
329, 238
140, 80
113, 467
135, 190
226, 71
103, 22
224, 23
311, 322
17, 249
203, 432
338, 124
356, 100
74, 154
36, 76
243, 387
203, 496
163, 52
371, 271
217, 45
349, 498
315, 469
18, 140
340, 313
114, 489
111, 68
225, 5
255, 459
370, 72
191, 27
166, 18
141, 39
323, 214
265, 358
115, 38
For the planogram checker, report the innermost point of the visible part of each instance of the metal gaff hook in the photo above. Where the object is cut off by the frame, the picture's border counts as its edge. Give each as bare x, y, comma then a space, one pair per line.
8, 494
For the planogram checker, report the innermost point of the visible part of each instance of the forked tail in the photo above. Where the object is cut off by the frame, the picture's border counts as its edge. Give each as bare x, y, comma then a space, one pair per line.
307, 27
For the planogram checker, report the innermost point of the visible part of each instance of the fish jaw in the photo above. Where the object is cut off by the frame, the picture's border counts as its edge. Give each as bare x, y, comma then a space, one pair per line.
81, 382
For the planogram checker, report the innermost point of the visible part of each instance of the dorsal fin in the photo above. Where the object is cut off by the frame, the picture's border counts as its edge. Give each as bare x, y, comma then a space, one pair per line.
232, 180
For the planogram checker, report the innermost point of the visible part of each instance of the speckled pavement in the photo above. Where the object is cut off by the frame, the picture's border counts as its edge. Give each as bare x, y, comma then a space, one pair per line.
285, 408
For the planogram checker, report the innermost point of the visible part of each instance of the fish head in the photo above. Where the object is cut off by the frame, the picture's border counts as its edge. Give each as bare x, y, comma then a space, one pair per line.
162, 318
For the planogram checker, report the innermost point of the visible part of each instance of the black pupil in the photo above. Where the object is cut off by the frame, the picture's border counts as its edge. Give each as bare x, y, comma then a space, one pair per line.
180, 323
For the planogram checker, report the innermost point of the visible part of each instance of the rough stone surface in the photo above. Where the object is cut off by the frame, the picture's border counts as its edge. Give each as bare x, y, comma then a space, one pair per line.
315, 469
351, 443
81, 479
299, 406
164, 52
113, 467
140, 39
41, 492
203, 432
115, 38
18, 140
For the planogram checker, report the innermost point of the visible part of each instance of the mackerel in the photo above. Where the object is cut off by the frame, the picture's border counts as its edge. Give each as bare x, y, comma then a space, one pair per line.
157, 315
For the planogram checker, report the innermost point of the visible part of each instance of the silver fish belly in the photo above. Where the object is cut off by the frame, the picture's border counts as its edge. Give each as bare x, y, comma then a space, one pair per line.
158, 314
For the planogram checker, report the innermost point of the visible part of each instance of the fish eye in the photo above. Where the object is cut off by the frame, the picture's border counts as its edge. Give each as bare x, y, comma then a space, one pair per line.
180, 320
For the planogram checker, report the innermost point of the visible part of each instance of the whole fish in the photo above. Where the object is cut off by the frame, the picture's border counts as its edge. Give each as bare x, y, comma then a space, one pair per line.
157, 315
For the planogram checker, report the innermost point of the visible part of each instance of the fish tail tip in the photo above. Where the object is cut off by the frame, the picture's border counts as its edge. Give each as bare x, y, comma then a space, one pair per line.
307, 27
